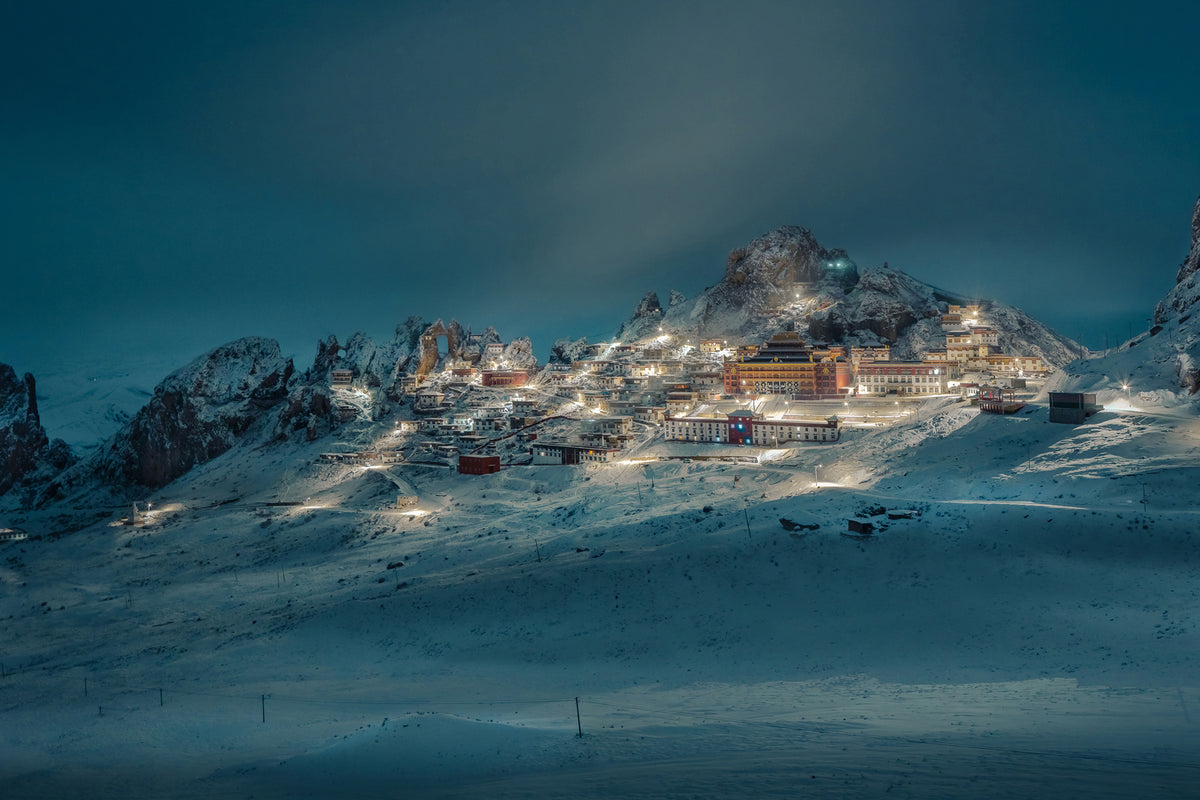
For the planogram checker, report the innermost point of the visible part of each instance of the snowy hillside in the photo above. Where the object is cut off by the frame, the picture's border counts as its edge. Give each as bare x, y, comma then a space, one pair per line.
1030, 630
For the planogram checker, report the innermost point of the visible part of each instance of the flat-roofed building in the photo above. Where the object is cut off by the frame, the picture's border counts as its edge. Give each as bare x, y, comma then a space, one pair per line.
902, 377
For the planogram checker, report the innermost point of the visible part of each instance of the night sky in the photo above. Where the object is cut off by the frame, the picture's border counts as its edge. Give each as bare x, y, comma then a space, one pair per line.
177, 175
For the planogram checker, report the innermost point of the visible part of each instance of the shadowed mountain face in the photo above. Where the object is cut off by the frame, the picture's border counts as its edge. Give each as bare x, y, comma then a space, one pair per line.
198, 412
1177, 313
25, 450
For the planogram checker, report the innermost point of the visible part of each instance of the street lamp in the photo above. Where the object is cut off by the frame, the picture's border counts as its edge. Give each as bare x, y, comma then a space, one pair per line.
816, 477
1125, 386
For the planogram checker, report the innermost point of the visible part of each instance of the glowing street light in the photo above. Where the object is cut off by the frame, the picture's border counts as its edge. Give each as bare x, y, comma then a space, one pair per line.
1125, 386
816, 477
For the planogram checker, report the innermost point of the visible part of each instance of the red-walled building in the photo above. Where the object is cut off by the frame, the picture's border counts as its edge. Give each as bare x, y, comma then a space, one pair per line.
478, 464
505, 377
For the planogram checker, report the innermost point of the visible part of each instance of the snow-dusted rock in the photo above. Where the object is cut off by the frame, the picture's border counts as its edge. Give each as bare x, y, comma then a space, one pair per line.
1186, 292
787, 279
197, 413
566, 351
26, 453
646, 318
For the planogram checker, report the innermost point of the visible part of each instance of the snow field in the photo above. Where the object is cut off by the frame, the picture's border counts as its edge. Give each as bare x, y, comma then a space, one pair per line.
1032, 632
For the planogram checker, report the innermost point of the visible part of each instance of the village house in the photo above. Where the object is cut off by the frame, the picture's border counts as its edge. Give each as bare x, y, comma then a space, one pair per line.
613, 426
341, 377
621, 408
524, 407
680, 402
1029, 365
651, 415
562, 453
493, 350
708, 383
712, 345
428, 400
431, 425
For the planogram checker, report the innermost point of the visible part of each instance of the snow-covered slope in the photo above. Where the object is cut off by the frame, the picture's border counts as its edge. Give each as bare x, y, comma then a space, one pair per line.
1031, 631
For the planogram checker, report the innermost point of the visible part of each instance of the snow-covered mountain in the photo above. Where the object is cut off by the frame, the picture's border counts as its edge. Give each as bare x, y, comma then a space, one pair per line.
195, 414
787, 279
1161, 365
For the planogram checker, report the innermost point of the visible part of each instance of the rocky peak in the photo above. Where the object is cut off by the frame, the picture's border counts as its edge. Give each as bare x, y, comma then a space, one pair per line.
197, 413
784, 257
25, 450
648, 307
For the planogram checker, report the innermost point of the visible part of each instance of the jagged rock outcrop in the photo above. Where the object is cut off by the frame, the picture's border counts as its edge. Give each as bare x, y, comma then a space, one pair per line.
646, 317
26, 453
1186, 292
567, 351
429, 355
328, 358
1176, 318
885, 302
197, 413
676, 298
519, 354
768, 268
309, 409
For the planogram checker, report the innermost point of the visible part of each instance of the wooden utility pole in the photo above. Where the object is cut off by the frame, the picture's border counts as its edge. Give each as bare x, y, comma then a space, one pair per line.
578, 722
264, 708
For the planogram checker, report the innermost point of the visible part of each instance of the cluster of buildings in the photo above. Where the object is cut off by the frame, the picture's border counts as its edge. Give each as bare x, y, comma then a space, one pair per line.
972, 347
703, 393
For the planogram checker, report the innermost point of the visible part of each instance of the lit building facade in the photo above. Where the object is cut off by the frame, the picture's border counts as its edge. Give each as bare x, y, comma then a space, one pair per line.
744, 427
902, 377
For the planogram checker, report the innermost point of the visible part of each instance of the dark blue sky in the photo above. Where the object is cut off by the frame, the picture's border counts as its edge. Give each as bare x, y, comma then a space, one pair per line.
177, 175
